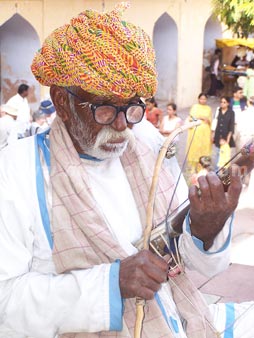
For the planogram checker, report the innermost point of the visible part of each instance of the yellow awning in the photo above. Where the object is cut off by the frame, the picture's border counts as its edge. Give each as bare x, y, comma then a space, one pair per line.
220, 43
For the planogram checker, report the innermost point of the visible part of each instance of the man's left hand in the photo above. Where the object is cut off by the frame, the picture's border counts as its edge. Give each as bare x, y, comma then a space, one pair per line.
210, 205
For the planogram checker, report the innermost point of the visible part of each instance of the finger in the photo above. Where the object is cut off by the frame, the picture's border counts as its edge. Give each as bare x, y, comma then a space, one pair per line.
205, 193
235, 187
216, 188
154, 267
153, 259
145, 293
151, 284
194, 196
155, 273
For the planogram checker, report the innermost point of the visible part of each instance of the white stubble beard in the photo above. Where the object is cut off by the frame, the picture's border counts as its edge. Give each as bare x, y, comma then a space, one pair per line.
79, 131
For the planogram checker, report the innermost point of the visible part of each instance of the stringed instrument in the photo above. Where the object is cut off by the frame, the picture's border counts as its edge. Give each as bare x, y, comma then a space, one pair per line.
159, 235
157, 238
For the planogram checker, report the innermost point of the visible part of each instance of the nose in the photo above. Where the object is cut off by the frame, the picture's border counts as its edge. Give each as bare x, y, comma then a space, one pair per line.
120, 123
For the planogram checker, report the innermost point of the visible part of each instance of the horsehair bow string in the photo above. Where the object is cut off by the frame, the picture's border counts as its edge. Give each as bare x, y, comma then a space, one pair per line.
140, 303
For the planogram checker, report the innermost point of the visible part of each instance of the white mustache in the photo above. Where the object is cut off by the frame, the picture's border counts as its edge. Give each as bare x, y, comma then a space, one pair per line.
108, 134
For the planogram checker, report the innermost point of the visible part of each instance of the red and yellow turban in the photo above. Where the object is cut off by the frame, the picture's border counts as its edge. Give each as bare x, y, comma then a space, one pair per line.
100, 53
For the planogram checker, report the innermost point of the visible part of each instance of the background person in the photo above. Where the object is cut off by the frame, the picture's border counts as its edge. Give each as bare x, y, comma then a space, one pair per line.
238, 104
248, 89
19, 101
153, 113
8, 130
171, 121
199, 144
47, 108
214, 72
246, 123
204, 167
223, 130
39, 123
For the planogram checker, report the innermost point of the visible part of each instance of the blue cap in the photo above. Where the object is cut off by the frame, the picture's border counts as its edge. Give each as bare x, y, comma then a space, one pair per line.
47, 107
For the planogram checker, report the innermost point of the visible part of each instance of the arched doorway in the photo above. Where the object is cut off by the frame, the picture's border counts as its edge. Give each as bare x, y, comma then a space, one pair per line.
165, 39
213, 30
19, 42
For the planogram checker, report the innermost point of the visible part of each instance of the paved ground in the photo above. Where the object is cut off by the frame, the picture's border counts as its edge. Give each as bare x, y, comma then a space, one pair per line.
236, 283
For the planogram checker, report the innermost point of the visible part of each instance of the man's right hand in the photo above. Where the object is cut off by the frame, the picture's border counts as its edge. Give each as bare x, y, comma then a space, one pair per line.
141, 275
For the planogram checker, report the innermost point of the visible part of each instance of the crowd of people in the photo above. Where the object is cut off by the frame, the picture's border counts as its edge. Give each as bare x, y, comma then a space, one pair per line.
18, 121
70, 262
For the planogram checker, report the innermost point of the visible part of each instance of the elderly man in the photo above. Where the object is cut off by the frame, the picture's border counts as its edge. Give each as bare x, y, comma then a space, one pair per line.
73, 201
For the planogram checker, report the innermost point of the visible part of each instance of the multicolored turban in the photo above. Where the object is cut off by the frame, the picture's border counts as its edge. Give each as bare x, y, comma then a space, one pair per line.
100, 53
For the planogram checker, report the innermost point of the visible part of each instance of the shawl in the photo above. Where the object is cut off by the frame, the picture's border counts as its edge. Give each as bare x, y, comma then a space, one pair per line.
82, 238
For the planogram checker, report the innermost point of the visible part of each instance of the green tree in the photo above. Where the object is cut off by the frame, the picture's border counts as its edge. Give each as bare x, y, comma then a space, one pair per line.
238, 15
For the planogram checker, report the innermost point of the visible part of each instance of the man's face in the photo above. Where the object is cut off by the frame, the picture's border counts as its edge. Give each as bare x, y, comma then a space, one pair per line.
89, 137
25, 93
239, 94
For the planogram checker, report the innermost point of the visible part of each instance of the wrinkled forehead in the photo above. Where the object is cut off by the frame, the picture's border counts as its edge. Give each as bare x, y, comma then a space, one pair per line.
99, 99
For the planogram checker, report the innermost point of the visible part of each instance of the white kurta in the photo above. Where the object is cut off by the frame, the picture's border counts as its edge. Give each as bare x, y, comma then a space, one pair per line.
8, 131
21, 104
34, 300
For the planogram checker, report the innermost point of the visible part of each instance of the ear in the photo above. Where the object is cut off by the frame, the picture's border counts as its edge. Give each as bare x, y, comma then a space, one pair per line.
60, 100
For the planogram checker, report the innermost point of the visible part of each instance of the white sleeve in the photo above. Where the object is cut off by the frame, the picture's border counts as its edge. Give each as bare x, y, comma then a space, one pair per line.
42, 305
210, 262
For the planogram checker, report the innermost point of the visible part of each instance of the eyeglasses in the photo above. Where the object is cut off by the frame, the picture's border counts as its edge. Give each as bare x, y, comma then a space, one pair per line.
106, 114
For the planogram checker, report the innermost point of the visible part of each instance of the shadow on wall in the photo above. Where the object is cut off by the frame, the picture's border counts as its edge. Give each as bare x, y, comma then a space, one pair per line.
19, 42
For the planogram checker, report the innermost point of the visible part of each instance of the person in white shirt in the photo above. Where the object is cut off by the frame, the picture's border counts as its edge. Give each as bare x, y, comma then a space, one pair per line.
8, 130
245, 123
49, 110
73, 201
19, 101
39, 123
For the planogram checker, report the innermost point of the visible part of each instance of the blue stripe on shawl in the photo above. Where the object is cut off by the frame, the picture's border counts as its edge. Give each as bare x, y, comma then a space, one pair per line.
200, 245
230, 318
40, 142
115, 299
172, 323
157, 298
43, 143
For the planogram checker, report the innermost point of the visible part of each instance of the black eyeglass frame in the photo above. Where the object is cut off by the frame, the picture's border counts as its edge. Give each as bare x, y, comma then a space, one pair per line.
118, 109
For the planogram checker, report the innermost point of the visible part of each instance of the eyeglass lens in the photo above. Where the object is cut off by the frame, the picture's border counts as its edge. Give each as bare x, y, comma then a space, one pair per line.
107, 114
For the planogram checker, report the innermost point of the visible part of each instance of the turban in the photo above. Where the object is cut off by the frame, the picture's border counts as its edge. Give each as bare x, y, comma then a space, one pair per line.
100, 53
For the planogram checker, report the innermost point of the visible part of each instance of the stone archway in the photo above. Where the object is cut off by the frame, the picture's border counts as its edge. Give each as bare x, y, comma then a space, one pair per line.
213, 30
165, 39
19, 42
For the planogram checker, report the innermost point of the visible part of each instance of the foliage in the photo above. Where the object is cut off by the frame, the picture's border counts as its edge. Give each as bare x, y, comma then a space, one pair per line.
238, 15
